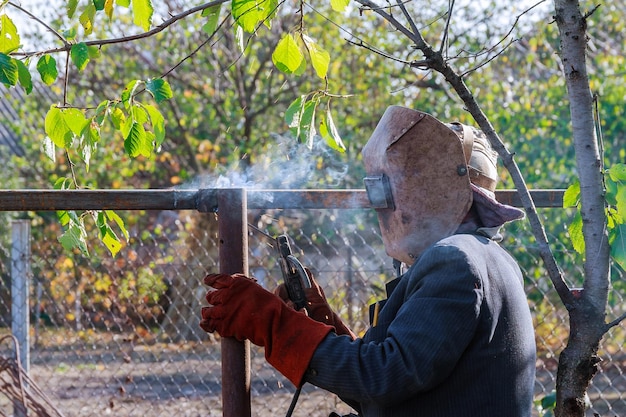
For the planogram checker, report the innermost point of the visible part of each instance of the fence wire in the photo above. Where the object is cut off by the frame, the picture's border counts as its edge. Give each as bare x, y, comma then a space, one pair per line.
119, 335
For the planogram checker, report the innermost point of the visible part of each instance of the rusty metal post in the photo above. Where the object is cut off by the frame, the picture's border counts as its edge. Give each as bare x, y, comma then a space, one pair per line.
233, 257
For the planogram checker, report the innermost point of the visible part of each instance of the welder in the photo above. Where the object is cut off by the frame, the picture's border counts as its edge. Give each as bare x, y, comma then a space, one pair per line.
455, 335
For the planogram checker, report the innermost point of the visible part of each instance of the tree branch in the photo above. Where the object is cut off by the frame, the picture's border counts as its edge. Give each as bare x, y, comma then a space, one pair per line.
434, 60
615, 322
152, 32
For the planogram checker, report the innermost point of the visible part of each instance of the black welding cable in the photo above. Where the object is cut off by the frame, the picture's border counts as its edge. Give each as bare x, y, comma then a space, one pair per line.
294, 400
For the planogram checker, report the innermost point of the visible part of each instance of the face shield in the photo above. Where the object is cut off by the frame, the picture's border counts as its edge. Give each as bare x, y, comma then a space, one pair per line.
417, 179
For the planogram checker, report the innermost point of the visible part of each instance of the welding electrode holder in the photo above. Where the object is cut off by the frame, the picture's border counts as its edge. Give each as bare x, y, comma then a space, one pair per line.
295, 276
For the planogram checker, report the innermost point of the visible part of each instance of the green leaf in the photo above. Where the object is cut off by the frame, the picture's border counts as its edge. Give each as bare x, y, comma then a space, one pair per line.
136, 142
329, 132
101, 112
87, 18
575, 230
71, 7
47, 67
118, 118
129, 92
617, 172
617, 237
158, 124
111, 215
107, 235
75, 120
57, 128
339, 5
8, 70
287, 56
89, 137
213, 14
123, 3
320, 59
98, 4
307, 124
142, 13
80, 55
160, 89
293, 115
620, 202
23, 74
571, 197
70, 34
247, 14
108, 8
9, 38
48, 148
74, 237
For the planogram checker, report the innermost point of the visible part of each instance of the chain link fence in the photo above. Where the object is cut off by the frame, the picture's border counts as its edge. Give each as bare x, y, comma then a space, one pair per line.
119, 335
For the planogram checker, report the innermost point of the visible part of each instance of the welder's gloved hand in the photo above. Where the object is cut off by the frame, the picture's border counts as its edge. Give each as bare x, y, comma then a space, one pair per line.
242, 309
317, 306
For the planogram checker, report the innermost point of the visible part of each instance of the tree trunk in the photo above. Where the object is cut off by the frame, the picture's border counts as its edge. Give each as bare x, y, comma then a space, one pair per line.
578, 361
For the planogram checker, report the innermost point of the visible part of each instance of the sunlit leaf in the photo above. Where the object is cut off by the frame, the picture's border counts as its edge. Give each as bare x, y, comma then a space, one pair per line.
339, 5
108, 8
48, 148
9, 38
617, 173
287, 56
107, 235
320, 59
571, 196
329, 132
87, 18
142, 13
47, 67
75, 120
158, 124
57, 128
159, 88
111, 215
575, 230
247, 14
213, 15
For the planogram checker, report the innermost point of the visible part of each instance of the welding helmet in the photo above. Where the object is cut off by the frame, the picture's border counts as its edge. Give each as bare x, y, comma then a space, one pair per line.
422, 178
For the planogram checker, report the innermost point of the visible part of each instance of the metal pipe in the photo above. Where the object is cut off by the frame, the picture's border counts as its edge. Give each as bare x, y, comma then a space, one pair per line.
205, 199
233, 258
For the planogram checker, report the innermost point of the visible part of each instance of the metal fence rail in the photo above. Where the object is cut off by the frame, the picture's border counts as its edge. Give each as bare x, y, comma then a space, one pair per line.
119, 336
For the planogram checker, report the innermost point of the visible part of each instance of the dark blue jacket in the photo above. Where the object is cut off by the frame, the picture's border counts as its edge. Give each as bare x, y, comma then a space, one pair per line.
455, 338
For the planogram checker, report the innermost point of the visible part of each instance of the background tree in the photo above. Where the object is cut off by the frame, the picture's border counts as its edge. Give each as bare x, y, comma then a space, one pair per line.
454, 69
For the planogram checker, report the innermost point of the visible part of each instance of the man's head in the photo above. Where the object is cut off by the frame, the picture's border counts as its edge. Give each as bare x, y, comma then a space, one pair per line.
424, 175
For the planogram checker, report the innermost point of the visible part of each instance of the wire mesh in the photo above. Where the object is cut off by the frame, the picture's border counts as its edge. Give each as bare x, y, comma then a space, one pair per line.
120, 336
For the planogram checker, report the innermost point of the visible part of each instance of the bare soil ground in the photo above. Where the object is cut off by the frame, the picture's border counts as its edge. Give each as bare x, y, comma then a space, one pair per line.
186, 382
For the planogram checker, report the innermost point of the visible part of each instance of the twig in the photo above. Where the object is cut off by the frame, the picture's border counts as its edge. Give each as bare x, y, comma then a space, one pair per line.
129, 38
41, 22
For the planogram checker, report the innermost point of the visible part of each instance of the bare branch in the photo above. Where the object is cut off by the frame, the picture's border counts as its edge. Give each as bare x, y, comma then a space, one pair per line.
615, 322
41, 22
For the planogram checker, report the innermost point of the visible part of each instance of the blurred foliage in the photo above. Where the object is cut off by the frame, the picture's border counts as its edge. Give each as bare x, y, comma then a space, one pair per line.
225, 125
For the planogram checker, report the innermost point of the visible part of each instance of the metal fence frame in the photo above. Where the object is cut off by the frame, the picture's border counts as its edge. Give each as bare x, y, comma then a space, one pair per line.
232, 205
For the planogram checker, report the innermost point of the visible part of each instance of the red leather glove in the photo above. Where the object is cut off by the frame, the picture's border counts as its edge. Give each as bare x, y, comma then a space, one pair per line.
317, 306
242, 309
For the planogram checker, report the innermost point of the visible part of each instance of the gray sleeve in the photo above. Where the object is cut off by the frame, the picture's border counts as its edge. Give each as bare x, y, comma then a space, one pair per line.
418, 347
